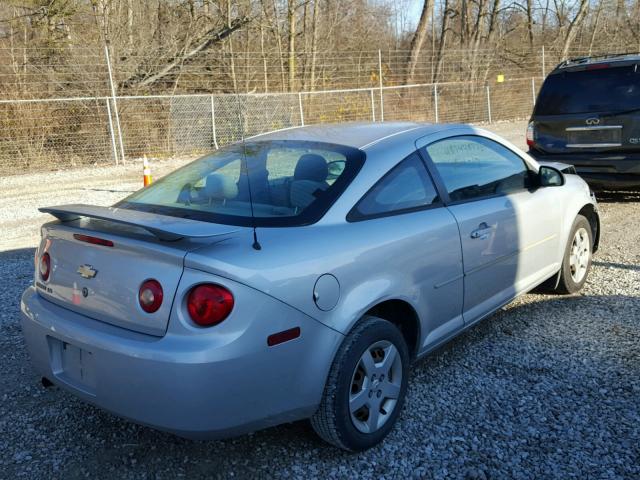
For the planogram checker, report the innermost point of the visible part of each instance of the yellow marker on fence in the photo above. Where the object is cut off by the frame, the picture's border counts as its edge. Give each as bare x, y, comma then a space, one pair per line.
500, 78
146, 172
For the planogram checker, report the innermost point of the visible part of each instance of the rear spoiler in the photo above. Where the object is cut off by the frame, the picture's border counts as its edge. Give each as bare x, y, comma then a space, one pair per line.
163, 227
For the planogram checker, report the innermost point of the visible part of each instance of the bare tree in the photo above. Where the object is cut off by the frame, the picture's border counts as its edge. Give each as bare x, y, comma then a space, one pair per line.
418, 40
573, 27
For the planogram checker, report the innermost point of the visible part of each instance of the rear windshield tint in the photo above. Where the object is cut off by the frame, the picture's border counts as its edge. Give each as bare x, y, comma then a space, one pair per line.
286, 182
590, 91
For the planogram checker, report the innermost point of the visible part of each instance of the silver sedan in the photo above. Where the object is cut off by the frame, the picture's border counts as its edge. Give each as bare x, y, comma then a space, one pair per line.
298, 274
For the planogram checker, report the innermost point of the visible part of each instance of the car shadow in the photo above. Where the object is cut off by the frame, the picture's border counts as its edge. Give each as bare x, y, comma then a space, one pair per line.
17, 275
622, 266
618, 196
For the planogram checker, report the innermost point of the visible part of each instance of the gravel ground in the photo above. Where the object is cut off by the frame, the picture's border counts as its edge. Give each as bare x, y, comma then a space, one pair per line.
549, 387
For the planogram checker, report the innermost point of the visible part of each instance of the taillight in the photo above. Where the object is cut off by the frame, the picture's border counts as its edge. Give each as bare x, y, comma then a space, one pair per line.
209, 304
45, 266
150, 296
531, 134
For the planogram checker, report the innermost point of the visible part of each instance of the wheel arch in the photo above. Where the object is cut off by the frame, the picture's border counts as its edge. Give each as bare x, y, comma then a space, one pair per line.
591, 214
404, 316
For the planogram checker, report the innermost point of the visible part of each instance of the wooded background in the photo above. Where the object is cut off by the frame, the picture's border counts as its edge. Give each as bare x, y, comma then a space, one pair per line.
55, 47
59, 99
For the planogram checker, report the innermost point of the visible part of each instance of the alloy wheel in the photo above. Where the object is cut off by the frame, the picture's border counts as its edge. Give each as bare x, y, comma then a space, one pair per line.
579, 255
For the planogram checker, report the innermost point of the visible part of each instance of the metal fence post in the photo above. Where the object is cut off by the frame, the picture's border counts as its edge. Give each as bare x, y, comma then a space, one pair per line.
544, 73
380, 82
435, 100
301, 111
213, 124
489, 103
111, 133
533, 91
115, 104
373, 107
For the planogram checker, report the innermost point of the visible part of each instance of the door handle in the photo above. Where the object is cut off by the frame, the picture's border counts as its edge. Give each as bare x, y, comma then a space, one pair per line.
482, 232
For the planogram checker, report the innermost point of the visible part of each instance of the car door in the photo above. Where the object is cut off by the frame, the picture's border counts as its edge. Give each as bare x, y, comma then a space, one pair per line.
508, 228
416, 240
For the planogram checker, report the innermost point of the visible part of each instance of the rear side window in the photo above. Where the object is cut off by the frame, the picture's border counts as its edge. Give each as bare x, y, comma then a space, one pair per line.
474, 167
407, 187
588, 91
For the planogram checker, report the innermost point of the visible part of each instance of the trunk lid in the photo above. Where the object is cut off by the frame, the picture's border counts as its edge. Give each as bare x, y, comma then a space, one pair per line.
102, 282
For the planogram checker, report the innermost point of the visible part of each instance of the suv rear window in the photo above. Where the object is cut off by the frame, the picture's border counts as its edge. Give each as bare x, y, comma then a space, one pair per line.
282, 183
590, 91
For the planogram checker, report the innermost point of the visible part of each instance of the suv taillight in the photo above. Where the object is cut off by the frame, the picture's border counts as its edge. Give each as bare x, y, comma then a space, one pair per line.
531, 134
209, 304
45, 266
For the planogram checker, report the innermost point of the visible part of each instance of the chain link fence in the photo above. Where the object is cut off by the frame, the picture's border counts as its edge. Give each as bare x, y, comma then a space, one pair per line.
64, 133
85, 107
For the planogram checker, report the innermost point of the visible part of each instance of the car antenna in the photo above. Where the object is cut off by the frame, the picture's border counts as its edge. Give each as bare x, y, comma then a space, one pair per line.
256, 244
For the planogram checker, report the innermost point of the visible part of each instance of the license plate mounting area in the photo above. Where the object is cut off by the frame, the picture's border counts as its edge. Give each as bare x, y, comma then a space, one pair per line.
73, 365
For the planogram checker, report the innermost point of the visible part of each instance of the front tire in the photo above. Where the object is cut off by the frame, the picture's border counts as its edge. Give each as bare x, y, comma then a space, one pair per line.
366, 387
576, 262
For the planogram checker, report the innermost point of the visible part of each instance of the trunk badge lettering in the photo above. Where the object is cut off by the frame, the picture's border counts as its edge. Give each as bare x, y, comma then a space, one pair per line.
87, 271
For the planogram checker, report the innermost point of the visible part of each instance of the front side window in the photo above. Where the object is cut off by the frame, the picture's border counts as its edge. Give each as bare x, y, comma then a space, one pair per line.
407, 187
474, 167
284, 183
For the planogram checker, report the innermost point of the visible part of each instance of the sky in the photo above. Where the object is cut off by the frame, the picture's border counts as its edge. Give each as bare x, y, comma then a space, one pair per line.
415, 8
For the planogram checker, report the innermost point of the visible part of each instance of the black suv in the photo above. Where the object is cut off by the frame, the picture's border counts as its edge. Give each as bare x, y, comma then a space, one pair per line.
588, 115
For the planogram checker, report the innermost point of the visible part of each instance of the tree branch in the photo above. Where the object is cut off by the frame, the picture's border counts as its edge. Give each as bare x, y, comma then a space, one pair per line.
209, 39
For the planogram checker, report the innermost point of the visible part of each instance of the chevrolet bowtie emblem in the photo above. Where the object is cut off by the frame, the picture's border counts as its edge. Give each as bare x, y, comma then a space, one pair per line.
87, 271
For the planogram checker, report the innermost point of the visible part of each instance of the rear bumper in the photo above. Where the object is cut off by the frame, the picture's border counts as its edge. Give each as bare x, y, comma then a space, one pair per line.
610, 180
194, 386
600, 170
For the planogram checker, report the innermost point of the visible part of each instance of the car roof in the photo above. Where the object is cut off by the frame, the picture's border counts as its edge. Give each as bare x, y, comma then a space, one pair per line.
353, 134
588, 62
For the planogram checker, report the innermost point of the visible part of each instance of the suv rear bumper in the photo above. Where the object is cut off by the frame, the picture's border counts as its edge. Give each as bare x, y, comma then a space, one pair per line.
600, 170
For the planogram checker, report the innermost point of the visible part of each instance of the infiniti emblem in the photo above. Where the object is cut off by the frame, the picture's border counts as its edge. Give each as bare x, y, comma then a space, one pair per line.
592, 121
87, 271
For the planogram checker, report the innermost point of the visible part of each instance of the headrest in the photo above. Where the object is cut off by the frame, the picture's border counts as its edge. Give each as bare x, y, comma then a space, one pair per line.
220, 187
311, 167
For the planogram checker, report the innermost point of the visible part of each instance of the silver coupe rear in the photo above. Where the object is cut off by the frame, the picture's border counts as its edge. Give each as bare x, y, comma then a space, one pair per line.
298, 274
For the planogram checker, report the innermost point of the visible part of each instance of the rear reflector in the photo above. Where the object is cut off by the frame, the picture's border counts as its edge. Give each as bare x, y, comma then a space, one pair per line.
283, 336
93, 240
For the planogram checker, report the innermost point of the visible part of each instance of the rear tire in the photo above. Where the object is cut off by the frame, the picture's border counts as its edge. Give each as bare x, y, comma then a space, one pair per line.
576, 262
366, 387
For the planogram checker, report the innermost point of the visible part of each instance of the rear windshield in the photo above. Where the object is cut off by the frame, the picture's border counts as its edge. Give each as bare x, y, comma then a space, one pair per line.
590, 91
284, 182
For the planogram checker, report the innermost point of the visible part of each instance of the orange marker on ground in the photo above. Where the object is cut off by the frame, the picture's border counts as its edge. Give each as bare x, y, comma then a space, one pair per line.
146, 173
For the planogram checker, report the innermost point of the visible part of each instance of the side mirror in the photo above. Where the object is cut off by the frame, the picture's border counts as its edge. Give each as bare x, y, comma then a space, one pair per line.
550, 177
335, 169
